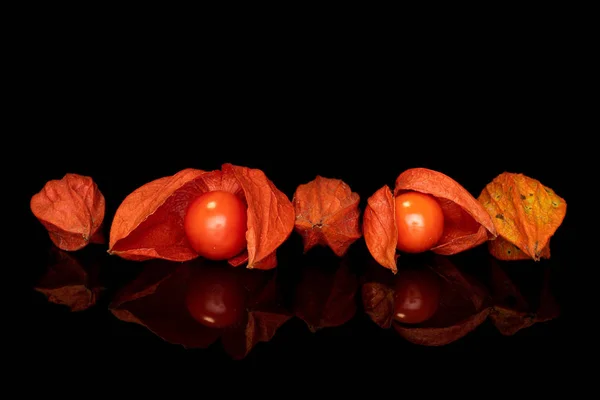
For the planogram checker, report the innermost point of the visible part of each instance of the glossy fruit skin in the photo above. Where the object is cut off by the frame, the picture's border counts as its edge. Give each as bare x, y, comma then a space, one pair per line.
417, 296
215, 225
420, 222
215, 297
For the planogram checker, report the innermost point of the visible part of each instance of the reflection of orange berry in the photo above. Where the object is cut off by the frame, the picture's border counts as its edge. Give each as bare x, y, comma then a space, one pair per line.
215, 297
215, 225
420, 222
417, 296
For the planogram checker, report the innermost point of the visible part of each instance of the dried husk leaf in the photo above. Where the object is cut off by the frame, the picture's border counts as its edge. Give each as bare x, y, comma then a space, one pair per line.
326, 297
464, 305
72, 211
379, 228
327, 214
149, 222
156, 300
466, 223
512, 311
68, 283
504, 250
270, 215
526, 214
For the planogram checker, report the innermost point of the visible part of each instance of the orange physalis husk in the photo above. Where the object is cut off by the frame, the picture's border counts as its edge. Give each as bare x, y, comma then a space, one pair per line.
72, 210
149, 222
327, 214
526, 215
466, 223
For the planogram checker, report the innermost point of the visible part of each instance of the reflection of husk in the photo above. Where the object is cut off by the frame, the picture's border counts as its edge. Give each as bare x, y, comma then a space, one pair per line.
76, 297
160, 307
520, 313
68, 283
326, 297
156, 300
464, 304
440, 336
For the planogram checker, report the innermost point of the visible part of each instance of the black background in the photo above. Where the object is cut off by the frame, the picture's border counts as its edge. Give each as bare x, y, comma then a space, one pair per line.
127, 119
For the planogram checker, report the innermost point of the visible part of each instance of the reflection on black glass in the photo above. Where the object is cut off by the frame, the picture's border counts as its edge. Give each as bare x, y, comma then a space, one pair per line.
325, 293
432, 302
70, 280
197, 302
519, 302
